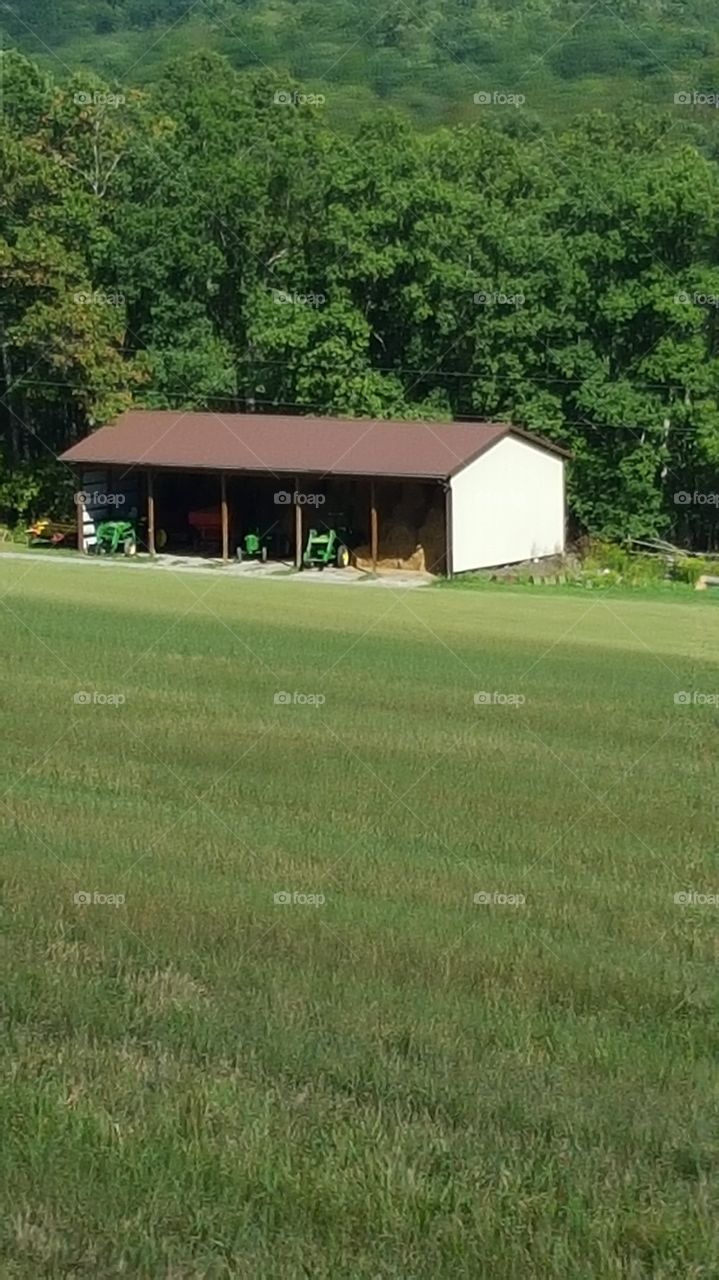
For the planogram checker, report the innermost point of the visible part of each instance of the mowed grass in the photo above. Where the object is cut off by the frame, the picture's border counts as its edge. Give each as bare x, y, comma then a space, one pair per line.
398, 1082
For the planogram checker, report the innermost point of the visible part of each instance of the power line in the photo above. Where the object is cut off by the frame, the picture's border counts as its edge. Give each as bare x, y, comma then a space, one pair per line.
304, 404
427, 373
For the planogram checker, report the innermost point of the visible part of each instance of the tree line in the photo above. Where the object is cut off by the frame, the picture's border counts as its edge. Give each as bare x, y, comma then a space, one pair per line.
210, 240
428, 58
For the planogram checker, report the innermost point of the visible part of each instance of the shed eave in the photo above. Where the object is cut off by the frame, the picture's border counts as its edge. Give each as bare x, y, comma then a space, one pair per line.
147, 464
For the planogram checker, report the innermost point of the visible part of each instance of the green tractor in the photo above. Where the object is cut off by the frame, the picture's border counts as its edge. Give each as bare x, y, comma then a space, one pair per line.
325, 547
116, 535
254, 546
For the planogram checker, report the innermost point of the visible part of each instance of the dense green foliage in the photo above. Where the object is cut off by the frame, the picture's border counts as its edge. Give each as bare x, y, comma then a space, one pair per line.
201, 242
398, 1082
429, 56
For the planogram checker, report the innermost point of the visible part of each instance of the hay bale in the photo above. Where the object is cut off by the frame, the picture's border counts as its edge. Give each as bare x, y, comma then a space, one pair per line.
410, 537
431, 539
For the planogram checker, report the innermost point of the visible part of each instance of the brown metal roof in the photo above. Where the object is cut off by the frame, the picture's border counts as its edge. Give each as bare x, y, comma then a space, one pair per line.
279, 444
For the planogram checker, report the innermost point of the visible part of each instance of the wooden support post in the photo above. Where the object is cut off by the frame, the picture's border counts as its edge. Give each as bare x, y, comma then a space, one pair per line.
225, 517
80, 520
150, 513
298, 526
448, 567
374, 539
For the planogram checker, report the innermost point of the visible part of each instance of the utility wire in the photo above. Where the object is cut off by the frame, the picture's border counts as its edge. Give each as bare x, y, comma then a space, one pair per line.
305, 404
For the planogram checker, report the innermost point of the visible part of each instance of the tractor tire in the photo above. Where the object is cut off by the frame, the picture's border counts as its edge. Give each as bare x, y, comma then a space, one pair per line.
342, 557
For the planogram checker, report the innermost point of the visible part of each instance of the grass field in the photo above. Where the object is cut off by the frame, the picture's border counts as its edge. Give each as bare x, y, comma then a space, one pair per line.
397, 1081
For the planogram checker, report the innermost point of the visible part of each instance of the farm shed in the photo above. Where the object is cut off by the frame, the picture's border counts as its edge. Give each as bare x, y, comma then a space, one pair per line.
442, 497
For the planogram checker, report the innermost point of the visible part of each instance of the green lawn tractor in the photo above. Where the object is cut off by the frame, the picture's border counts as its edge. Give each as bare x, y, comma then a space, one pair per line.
254, 546
325, 547
115, 535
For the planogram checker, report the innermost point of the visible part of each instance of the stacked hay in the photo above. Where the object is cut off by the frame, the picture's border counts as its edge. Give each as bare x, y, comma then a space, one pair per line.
411, 537
431, 538
399, 550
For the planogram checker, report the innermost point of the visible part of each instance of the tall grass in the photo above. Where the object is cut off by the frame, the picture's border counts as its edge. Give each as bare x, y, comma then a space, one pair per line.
395, 1081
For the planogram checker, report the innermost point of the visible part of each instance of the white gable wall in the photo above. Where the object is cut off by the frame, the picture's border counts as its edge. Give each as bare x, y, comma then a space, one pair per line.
508, 505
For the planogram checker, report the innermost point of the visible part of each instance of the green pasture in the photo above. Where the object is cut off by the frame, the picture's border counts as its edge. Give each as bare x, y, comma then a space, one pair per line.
282, 1039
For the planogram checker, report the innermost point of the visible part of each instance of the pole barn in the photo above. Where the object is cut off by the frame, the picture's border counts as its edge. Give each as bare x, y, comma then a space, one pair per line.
443, 497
